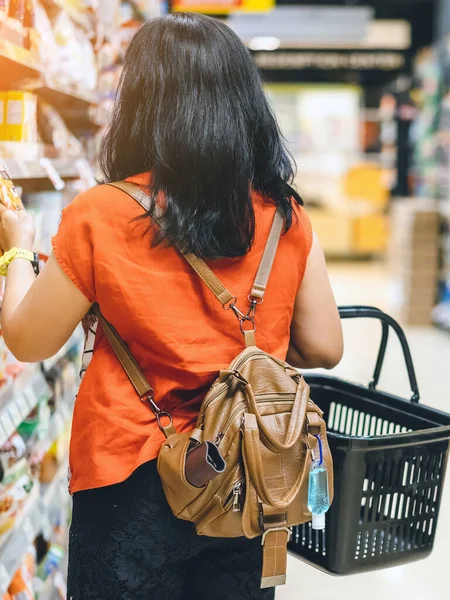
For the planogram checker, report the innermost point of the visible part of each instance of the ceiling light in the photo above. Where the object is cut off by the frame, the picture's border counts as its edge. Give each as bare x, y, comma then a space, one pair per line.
264, 43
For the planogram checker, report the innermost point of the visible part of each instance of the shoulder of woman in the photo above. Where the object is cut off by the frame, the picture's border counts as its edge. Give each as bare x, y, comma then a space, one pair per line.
102, 200
302, 225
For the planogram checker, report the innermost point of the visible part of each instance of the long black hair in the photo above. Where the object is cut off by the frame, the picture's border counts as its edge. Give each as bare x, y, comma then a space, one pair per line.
191, 111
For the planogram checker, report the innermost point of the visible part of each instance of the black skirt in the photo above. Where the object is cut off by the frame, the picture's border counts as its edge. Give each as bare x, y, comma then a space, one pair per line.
126, 544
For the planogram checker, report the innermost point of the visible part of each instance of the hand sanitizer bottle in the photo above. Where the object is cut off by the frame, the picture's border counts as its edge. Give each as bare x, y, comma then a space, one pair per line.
318, 492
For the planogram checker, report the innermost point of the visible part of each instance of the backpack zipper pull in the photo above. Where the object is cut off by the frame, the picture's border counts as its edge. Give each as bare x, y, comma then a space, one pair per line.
219, 438
237, 491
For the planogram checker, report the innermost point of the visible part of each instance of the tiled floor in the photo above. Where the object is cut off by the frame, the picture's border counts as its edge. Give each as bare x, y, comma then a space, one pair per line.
430, 579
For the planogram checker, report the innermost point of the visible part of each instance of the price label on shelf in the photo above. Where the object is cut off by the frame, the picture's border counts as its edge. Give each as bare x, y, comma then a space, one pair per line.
52, 174
7, 423
47, 529
15, 413
5, 579
3, 434
30, 397
29, 530
22, 403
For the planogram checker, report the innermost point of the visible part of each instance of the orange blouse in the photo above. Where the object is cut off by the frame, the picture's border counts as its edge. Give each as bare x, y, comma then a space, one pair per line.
174, 326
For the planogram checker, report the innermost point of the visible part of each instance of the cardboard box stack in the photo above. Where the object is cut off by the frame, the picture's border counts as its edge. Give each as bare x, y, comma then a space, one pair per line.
414, 259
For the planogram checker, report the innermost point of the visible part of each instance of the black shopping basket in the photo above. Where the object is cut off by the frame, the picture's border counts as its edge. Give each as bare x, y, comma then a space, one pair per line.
390, 457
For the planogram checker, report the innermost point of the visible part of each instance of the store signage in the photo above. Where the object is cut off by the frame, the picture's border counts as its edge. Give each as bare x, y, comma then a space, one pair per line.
223, 7
296, 25
354, 60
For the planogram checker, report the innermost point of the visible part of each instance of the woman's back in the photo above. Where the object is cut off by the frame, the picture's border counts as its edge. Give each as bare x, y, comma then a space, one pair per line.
174, 326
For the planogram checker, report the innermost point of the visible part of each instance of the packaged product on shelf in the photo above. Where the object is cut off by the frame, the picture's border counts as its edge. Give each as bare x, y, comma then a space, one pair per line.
47, 46
9, 195
37, 423
29, 23
21, 586
14, 491
49, 466
51, 562
54, 131
12, 451
10, 198
11, 22
21, 119
70, 59
17, 9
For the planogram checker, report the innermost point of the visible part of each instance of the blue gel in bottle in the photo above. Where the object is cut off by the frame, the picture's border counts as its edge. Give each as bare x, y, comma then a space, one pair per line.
318, 491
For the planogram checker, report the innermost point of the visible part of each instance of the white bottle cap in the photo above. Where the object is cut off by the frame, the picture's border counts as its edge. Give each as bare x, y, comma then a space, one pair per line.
318, 522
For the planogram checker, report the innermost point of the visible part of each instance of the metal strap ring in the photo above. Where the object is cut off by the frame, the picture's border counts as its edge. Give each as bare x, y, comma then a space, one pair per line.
164, 415
231, 304
241, 324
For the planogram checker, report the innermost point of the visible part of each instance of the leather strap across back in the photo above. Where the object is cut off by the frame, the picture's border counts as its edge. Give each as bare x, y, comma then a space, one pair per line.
126, 359
201, 268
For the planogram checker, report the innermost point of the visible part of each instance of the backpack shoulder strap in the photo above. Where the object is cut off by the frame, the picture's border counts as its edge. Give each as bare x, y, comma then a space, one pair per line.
270, 251
225, 297
134, 373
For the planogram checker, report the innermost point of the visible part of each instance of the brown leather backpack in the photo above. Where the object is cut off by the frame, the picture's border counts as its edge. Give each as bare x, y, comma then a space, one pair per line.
244, 470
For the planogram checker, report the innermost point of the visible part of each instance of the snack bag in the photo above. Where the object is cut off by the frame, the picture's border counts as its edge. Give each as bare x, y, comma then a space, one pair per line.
9, 196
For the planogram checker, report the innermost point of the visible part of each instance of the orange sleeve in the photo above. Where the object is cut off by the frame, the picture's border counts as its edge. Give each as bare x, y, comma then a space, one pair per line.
305, 224
73, 245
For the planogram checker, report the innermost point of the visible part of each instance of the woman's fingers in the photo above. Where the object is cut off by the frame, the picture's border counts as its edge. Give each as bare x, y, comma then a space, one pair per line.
16, 229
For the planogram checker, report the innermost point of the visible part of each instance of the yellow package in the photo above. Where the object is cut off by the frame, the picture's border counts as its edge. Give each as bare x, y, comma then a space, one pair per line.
2, 116
21, 120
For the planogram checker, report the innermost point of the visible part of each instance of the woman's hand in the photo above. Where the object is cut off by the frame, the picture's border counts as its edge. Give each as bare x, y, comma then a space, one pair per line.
16, 229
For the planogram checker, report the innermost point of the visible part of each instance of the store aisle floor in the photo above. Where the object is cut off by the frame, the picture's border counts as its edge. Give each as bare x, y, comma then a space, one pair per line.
426, 580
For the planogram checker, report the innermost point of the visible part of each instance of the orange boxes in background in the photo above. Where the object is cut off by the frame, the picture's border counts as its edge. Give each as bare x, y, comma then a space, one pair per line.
414, 258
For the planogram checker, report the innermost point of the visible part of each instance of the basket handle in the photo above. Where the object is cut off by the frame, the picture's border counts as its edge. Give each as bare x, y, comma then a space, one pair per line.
369, 312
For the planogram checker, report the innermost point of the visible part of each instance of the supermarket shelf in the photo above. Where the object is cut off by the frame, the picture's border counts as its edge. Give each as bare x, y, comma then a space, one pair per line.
18, 399
16, 64
33, 521
57, 490
58, 424
76, 108
21, 170
74, 341
64, 99
26, 529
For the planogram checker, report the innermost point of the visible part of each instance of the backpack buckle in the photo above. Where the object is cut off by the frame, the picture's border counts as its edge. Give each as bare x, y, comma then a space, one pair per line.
288, 530
248, 317
160, 415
